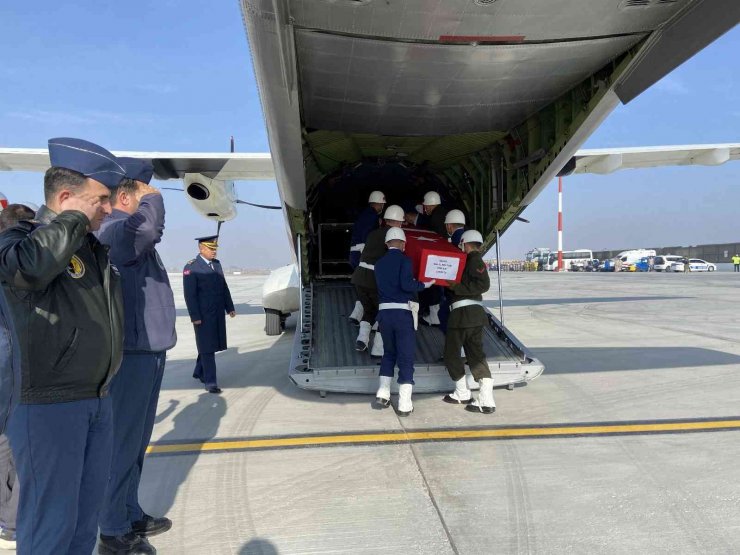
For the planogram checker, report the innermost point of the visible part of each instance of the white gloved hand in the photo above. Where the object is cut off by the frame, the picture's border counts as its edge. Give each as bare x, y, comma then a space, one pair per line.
428, 284
419, 208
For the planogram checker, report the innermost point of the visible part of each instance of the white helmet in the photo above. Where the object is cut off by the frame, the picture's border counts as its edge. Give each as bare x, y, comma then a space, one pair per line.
432, 199
395, 233
395, 213
377, 196
455, 217
471, 236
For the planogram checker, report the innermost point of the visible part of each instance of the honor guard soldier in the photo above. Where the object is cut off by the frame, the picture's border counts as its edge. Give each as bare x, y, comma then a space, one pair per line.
465, 329
363, 279
397, 291
432, 219
132, 232
455, 227
368, 220
66, 302
208, 300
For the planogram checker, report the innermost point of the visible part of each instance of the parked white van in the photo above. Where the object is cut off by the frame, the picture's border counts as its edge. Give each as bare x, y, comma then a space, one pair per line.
664, 261
632, 257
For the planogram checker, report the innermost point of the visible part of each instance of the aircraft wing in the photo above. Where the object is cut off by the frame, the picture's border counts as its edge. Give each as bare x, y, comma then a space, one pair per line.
167, 165
608, 160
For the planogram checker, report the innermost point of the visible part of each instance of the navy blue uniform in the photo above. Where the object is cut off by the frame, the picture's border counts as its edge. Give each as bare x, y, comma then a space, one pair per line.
396, 284
209, 300
367, 221
149, 330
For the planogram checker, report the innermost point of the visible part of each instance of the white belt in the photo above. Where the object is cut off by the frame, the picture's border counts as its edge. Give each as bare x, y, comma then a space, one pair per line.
391, 306
367, 266
466, 302
359, 247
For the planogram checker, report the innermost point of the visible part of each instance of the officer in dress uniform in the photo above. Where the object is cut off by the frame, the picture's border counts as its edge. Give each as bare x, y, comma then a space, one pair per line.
209, 300
397, 291
132, 232
368, 220
363, 279
66, 302
465, 329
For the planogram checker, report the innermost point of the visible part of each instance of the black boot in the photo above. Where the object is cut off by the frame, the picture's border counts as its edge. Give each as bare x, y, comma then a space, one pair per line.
128, 544
151, 526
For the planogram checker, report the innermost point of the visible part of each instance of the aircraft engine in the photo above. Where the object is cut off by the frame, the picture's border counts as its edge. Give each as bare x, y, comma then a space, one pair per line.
212, 198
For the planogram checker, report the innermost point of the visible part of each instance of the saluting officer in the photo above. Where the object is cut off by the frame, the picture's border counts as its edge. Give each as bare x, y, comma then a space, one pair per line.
363, 279
132, 232
67, 306
465, 329
397, 291
209, 300
368, 220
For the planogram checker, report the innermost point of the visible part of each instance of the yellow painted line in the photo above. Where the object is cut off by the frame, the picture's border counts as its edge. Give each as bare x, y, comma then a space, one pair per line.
432, 435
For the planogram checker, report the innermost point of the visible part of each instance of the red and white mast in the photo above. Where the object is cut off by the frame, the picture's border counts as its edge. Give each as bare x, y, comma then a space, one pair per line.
560, 224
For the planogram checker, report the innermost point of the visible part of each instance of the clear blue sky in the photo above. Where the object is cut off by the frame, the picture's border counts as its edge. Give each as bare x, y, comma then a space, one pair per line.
177, 76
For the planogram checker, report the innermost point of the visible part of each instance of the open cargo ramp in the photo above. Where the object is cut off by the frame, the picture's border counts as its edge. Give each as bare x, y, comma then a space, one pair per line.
324, 356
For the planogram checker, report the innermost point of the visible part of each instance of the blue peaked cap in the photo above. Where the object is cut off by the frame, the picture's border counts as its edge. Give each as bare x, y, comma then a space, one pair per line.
87, 158
138, 170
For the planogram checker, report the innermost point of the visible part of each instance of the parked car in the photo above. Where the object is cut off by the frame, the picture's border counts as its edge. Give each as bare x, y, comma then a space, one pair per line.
642, 265
695, 264
664, 261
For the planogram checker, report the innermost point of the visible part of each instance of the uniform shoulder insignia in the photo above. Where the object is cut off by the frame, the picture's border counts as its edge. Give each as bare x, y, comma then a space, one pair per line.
190, 262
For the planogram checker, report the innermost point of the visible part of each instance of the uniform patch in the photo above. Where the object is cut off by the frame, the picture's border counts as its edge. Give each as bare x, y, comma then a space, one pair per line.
75, 268
186, 272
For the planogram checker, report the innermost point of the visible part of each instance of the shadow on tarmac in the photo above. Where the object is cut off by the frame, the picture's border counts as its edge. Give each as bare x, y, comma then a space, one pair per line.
573, 360
577, 300
199, 419
258, 547
241, 308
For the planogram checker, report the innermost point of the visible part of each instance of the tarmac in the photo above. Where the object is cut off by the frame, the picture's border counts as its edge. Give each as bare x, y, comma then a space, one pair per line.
628, 443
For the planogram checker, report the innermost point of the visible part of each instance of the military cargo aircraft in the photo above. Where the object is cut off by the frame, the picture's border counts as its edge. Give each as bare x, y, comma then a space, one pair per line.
483, 101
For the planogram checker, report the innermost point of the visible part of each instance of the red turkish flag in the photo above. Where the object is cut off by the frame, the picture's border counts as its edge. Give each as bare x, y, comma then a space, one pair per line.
434, 257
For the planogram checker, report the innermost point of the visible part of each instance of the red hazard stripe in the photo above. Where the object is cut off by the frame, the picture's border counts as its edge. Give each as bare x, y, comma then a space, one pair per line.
480, 38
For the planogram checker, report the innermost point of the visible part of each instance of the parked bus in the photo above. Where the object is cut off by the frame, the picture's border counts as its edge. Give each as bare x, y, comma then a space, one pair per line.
539, 255
572, 260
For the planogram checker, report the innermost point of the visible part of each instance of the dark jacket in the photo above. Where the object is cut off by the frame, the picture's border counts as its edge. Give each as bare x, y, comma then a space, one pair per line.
66, 302
435, 221
395, 278
10, 363
367, 221
209, 300
149, 317
374, 250
473, 284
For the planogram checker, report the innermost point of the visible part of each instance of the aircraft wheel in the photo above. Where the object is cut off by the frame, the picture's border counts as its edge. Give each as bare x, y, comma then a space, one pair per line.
272, 322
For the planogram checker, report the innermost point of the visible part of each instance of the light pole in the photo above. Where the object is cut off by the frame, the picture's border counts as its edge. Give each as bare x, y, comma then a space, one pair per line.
560, 224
